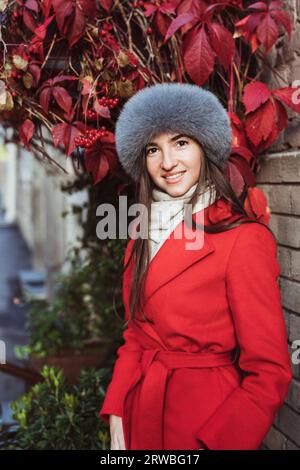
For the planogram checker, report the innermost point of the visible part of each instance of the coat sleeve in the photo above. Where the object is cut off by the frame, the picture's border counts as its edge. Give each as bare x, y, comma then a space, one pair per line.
245, 416
128, 355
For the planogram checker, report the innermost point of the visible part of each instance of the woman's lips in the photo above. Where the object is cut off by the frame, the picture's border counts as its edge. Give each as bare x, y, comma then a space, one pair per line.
174, 179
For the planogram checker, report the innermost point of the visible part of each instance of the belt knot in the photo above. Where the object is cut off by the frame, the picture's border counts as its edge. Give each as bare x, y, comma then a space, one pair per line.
147, 358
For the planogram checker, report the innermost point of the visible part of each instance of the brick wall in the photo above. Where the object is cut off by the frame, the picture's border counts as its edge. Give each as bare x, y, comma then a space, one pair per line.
279, 178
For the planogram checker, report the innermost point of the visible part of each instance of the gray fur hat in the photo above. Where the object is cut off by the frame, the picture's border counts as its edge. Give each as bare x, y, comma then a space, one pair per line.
175, 107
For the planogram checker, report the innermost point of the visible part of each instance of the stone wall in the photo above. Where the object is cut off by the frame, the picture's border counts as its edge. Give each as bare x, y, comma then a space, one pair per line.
44, 213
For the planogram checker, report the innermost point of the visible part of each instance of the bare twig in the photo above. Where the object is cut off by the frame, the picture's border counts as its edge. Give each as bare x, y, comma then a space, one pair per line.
45, 154
49, 51
126, 20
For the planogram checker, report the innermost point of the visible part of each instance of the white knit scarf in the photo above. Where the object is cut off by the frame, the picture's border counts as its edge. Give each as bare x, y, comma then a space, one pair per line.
167, 211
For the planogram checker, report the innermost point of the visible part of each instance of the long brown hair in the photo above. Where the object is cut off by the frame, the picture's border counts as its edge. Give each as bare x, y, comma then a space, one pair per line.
210, 175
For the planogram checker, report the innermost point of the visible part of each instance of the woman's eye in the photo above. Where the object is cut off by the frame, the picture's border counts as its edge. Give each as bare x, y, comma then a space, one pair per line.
185, 141
154, 148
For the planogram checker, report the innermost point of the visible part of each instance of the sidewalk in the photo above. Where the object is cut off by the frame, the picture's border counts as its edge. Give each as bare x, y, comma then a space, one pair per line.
14, 255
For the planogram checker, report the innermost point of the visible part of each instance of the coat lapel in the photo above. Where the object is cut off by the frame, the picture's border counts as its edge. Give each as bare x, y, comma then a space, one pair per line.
171, 259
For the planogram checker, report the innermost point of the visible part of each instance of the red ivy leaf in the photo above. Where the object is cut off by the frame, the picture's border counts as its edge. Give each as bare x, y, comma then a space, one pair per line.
265, 113
204, 40
238, 131
260, 123
222, 42
283, 17
35, 71
32, 5
88, 7
65, 134
101, 158
46, 7
103, 111
235, 178
256, 205
62, 78
63, 9
289, 96
255, 94
45, 96
59, 93
37, 48
97, 167
161, 12
267, 32
29, 21
70, 17
243, 158
41, 30
162, 22
198, 56
246, 27
62, 98
78, 25
180, 21
149, 9
262, 26
53, 81
106, 4
26, 132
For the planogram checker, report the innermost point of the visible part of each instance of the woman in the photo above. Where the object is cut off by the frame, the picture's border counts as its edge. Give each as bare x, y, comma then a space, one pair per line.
205, 362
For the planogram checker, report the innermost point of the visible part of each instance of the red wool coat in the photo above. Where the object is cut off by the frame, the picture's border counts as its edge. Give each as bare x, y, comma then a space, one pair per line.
177, 382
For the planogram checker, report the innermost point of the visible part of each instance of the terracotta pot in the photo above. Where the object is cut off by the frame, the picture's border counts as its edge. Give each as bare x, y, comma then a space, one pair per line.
71, 362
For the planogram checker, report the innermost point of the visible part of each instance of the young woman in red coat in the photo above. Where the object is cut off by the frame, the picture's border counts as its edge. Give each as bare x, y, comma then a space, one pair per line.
205, 361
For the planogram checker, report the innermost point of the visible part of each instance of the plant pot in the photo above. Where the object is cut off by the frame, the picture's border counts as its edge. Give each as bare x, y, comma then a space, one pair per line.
72, 362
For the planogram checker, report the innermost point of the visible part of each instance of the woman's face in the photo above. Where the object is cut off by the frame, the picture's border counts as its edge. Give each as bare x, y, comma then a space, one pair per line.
170, 153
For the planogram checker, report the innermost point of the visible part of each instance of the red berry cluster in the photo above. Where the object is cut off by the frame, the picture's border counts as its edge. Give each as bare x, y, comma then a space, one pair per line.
90, 137
109, 102
106, 36
91, 115
106, 27
104, 101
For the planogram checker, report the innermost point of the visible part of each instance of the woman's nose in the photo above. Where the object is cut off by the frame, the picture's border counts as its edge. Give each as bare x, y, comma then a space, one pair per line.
168, 160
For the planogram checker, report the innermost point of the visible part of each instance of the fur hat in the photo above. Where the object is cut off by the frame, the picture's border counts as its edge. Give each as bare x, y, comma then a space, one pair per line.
175, 107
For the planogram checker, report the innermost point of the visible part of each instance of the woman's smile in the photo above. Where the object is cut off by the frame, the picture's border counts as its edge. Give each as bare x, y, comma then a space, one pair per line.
175, 178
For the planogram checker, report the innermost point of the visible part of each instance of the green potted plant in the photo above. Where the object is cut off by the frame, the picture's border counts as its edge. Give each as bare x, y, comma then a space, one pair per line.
57, 415
81, 326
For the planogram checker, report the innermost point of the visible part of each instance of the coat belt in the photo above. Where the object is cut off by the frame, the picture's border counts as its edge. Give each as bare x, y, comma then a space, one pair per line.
154, 369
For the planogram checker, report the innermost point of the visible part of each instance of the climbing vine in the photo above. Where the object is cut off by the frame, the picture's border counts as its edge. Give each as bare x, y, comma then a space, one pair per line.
68, 66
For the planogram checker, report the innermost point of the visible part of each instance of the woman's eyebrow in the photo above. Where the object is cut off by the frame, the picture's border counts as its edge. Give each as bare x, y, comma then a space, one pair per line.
175, 137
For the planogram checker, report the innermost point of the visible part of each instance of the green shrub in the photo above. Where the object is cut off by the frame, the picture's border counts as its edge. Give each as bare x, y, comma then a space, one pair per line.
87, 306
60, 416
